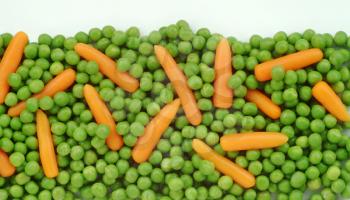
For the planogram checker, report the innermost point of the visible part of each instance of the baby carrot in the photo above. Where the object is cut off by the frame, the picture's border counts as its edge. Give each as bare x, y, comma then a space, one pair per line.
224, 165
10, 61
153, 131
60, 83
103, 116
264, 103
46, 146
107, 67
179, 81
6, 168
253, 140
293, 61
223, 95
324, 94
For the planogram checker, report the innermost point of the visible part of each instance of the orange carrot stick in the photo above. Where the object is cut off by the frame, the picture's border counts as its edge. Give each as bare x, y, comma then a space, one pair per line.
60, 83
10, 61
224, 165
292, 61
107, 67
46, 146
103, 116
6, 168
264, 103
223, 95
324, 94
153, 131
253, 140
179, 81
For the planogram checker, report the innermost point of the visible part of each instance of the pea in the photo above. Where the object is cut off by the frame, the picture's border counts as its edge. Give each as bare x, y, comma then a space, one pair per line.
340, 38
281, 47
301, 44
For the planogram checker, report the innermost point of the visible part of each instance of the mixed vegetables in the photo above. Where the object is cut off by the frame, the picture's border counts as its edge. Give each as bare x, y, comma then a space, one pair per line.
175, 114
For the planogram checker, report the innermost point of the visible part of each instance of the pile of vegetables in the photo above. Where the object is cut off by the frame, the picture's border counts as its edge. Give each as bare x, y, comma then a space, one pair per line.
175, 114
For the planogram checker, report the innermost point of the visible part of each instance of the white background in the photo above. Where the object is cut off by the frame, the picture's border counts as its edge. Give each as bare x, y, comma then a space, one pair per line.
231, 18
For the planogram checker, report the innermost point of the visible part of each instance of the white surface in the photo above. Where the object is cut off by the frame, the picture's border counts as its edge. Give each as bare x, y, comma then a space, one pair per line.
237, 18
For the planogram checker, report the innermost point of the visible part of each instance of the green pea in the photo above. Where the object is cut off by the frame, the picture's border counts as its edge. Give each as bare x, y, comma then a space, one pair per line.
255, 40
103, 43
262, 182
198, 42
340, 38
44, 39
15, 80
267, 43
264, 55
238, 62
32, 168
291, 77
208, 58
24, 93
195, 82
277, 73
11, 99
185, 47
337, 58
35, 86
301, 44
277, 158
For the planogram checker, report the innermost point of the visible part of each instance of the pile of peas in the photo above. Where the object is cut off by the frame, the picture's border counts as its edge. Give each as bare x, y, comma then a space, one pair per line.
315, 159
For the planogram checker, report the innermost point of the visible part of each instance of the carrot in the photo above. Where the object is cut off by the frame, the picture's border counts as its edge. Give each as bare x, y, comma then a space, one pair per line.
103, 116
107, 67
224, 165
324, 94
153, 131
6, 168
60, 83
253, 140
46, 145
179, 81
10, 61
223, 95
293, 61
264, 103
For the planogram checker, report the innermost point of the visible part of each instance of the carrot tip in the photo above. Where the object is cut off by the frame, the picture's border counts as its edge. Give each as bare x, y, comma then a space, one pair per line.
115, 145
157, 47
137, 158
199, 146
